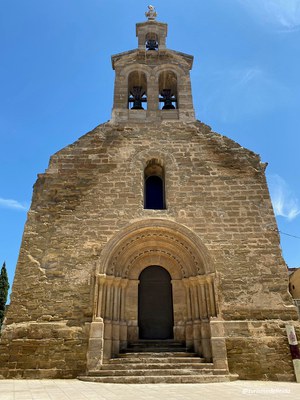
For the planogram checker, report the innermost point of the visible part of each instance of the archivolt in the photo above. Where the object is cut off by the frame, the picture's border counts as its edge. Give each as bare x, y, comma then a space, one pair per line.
155, 242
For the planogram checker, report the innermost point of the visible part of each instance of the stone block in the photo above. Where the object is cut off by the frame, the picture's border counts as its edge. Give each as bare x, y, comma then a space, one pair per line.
96, 330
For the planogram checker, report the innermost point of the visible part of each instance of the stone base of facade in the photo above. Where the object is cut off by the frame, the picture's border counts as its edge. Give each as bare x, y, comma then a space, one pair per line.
35, 350
256, 350
259, 350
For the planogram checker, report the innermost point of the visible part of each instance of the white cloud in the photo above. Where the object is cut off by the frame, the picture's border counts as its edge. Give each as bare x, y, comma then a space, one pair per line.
13, 204
284, 15
285, 203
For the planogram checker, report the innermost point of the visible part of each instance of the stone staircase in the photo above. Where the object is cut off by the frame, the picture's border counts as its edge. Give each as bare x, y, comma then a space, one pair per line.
155, 361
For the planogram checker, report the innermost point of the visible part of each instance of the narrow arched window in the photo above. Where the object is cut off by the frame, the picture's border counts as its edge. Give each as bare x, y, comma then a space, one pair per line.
137, 91
154, 186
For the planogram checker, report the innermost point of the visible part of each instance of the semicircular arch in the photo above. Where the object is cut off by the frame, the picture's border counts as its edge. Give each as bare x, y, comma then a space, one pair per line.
155, 242
177, 71
144, 69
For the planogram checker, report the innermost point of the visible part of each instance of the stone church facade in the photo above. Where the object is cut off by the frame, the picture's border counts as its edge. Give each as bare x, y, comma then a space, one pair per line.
154, 229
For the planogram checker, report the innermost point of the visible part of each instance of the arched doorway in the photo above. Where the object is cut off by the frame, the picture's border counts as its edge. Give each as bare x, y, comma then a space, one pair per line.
118, 312
155, 304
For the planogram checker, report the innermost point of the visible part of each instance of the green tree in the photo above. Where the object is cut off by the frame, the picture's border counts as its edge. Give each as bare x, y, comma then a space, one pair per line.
4, 286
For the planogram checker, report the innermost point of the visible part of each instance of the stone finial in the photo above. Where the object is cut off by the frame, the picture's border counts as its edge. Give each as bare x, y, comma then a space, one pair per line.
151, 14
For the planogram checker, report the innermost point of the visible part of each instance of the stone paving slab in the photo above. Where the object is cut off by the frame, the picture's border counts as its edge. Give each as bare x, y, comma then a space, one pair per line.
78, 390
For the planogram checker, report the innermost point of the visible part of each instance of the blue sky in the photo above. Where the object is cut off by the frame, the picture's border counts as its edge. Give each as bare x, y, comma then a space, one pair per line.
56, 84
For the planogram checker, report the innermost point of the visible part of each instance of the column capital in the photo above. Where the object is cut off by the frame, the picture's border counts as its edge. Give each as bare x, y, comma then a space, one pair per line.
101, 278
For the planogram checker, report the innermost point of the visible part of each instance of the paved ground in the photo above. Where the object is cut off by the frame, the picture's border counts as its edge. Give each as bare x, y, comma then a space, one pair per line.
77, 390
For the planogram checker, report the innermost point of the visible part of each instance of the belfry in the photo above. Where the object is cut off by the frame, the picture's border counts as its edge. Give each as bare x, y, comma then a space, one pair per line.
152, 83
151, 251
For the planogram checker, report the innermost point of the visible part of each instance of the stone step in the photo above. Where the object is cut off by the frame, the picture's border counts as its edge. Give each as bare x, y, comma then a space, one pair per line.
141, 359
156, 346
158, 367
160, 379
157, 372
166, 349
152, 354
155, 365
158, 343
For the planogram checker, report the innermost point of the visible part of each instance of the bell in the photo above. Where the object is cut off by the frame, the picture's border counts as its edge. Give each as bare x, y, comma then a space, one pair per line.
137, 94
151, 45
168, 99
168, 105
137, 105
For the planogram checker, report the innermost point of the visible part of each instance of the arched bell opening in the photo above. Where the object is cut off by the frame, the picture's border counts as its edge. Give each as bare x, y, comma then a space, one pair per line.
154, 186
168, 91
151, 42
137, 90
155, 304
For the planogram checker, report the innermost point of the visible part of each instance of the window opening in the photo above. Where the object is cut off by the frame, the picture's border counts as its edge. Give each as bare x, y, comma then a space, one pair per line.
167, 91
137, 96
137, 91
167, 100
151, 42
154, 193
154, 190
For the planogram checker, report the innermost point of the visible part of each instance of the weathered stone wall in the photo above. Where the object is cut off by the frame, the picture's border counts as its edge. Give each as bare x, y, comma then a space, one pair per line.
94, 188
259, 350
43, 350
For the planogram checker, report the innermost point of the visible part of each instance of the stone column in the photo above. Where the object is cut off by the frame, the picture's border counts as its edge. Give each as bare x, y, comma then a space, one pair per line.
204, 311
107, 347
124, 283
200, 298
116, 316
96, 335
196, 315
96, 298
116, 299
123, 323
194, 297
212, 299
132, 310
100, 285
189, 323
179, 309
110, 297
207, 299
187, 299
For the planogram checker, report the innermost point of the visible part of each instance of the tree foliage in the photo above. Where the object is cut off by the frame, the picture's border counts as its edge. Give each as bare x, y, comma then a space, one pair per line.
4, 286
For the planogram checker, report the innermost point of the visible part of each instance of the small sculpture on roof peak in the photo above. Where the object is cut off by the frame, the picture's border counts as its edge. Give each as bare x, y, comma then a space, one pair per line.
151, 14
